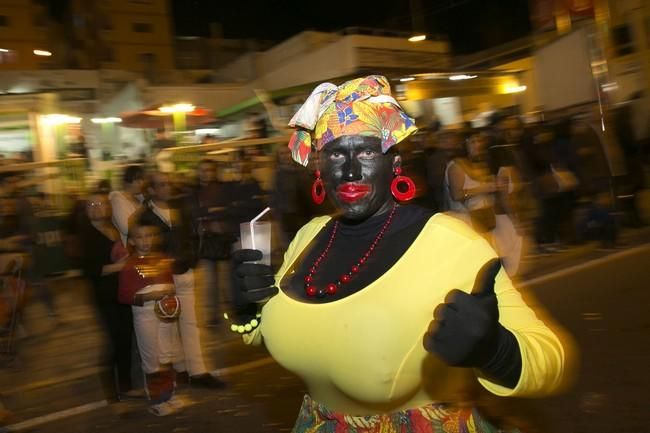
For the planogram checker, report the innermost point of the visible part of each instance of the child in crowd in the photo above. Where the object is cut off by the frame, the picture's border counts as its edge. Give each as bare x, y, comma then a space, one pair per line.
145, 281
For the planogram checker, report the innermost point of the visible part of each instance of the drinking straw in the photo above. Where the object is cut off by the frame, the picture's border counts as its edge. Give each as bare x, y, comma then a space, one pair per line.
253, 221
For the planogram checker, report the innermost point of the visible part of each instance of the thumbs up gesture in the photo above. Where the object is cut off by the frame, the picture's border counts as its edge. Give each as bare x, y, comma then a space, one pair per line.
465, 328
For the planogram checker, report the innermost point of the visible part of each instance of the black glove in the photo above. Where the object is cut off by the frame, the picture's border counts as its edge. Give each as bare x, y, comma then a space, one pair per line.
253, 282
466, 332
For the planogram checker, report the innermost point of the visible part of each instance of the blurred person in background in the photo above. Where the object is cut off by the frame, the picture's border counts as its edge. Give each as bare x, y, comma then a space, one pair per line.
473, 195
79, 149
14, 232
630, 143
555, 188
174, 221
445, 147
103, 256
21, 235
285, 196
209, 209
640, 112
46, 249
76, 220
124, 203
161, 141
246, 197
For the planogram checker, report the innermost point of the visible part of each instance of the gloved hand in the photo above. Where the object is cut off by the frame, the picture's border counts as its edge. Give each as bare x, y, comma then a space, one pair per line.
254, 282
465, 330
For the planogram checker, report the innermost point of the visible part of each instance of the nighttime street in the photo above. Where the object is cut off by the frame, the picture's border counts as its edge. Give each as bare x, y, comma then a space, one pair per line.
391, 216
599, 297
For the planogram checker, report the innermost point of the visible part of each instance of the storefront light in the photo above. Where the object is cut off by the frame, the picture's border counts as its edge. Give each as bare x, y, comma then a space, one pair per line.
42, 53
206, 131
610, 87
106, 120
509, 88
60, 119
417, 38
462, 77
177, 108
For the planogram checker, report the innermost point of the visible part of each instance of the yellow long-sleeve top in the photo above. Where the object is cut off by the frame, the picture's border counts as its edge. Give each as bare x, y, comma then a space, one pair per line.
363, 354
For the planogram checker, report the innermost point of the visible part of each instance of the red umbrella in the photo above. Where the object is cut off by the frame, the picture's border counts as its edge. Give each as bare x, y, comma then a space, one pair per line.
152, 118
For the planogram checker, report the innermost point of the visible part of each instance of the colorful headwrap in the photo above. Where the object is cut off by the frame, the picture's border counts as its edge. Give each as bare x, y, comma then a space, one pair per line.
358, 107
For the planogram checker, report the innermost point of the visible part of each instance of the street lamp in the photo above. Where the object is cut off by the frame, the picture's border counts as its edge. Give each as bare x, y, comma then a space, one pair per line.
177, 108
178, 112
60, 119
462, 77
106, 120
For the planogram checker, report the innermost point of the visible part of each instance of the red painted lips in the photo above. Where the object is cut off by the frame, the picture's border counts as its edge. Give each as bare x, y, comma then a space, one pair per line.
351, 192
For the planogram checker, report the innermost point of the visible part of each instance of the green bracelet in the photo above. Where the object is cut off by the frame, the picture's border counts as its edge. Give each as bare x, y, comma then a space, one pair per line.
246, 327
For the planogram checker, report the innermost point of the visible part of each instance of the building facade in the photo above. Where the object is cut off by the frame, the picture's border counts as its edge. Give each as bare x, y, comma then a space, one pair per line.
629, 46
131, 35
23, 29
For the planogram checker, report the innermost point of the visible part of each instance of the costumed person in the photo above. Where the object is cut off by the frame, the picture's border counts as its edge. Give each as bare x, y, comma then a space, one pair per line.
146, 283
387, 311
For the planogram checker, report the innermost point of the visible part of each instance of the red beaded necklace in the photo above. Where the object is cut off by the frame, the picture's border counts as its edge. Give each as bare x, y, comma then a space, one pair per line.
332, 288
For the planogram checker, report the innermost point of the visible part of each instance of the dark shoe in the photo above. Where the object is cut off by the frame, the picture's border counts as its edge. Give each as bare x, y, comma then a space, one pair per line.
206, 380
133, 394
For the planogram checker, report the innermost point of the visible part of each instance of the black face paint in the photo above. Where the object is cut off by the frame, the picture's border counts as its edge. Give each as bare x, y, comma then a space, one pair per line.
357, 176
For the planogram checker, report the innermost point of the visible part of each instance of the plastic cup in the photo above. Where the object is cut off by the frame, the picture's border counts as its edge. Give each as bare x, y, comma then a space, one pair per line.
262, 232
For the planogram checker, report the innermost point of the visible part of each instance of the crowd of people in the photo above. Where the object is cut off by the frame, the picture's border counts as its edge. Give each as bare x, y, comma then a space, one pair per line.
137, 245
537, 187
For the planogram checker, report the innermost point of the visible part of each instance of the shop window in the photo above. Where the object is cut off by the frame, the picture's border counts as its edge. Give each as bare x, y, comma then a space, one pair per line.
4, 21
142, 27
623, 41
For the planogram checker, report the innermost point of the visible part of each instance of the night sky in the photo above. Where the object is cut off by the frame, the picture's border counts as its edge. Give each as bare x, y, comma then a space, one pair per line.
470, 25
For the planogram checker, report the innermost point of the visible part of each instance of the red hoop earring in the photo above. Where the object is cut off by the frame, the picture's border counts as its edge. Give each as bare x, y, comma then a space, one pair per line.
318, 189
404, 180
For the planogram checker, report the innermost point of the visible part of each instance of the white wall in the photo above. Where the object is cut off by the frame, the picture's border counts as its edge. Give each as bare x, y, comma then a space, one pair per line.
563, 72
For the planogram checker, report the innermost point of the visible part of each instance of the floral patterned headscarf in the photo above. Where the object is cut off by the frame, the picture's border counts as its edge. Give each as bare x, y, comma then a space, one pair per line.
358, 107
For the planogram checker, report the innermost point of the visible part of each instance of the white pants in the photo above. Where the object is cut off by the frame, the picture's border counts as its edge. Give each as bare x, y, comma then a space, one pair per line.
158, 341
190, 336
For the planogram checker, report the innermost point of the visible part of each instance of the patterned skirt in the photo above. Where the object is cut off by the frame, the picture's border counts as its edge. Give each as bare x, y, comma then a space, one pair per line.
434, 418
